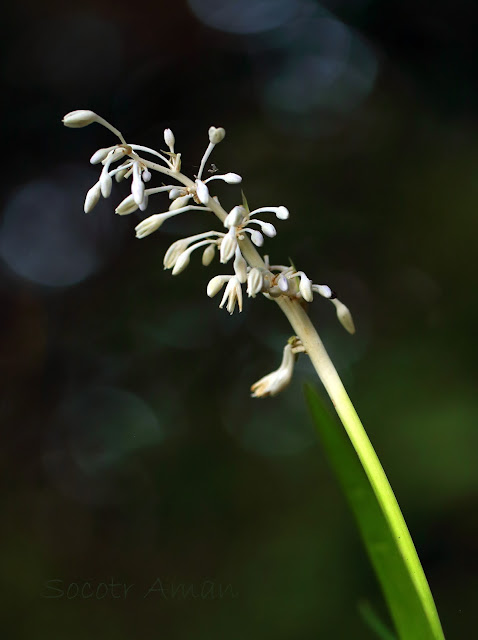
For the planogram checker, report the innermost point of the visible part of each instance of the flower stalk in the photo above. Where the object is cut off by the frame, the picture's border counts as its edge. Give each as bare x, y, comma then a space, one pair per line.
290, 289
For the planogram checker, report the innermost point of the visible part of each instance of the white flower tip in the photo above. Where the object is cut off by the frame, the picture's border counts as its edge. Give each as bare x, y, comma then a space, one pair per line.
232, 178
216, 284
282, 213
100, 155
181, 263
148, 226
216, 135
128, 205
169, 139
180, 202
344, 316
235, 217
106, 184
257, 238
278, 380
79, 118
268, 229
92, 198
202, 192
305, 288
208, 254
255, 282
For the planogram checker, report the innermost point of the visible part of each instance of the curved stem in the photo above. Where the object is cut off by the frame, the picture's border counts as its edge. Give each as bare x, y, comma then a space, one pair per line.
327, 373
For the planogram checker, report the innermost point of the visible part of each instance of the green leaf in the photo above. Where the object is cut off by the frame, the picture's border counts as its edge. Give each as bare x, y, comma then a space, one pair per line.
393, 556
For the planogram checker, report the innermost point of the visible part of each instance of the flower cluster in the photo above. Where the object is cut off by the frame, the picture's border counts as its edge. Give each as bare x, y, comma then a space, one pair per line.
241, 227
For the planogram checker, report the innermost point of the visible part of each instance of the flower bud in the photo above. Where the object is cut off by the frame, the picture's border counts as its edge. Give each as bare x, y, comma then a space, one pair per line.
137, 190
208, 254
322, 289
240, 266
173, 253
305, 288
92, 197
179, 202
344, 316
257, 238
216, 284
79, 118
100, 155
232, 178
279, 379
181, 263
128, 205
282, 213
235, 217
146, 175
283, 283
255, 282
106, 184
144, 205
216, 135
169, 139
228, 245
149, 225
119, 175
175, 193
268, 229
202, 192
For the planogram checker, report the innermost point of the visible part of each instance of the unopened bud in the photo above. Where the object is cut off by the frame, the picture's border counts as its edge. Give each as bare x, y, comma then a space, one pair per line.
208, 254
305, 288
146, 175
268, 229
228, 245
181, 263
92, 197
169, 139
179, 202
106, 184
128, 205
255, 282
232, 178
173, 253
257, 238
344, 316
282, 213
79, 118
235, 217
216, 284
202, 192
240, 267
100, 155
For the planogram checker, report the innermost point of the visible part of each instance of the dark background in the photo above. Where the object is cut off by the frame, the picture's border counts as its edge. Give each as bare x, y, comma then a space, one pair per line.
130, 447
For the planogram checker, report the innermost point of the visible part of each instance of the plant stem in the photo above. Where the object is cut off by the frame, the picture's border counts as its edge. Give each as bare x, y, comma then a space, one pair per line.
327, 373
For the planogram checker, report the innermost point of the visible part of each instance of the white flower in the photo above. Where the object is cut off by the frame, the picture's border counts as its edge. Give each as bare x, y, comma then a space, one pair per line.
92, 197
202, 192
126, 206
240, 266
105, 183
322, 289
255, 282
344, 316
275, 382
182, 262
137, 185
228, 245
150, 225
179, 202
79, 118
101, 154
305, 287
235, 217
208, 254
169, 139
232, 294
174, 251
216, 284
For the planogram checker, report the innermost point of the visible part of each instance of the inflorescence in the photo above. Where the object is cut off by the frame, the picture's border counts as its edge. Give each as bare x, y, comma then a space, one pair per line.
272, 281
